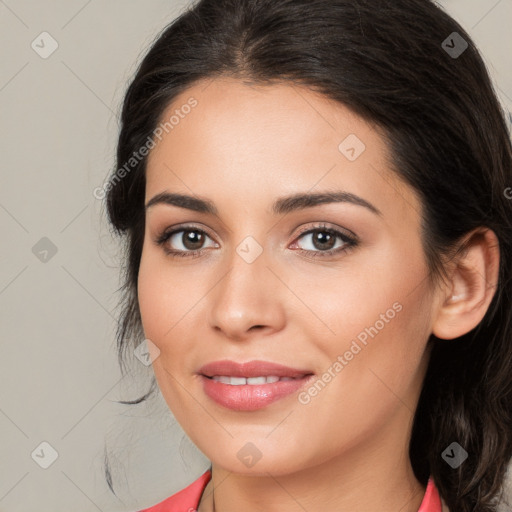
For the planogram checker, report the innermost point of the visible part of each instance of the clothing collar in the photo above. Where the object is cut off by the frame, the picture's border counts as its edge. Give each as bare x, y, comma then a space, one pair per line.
431, 500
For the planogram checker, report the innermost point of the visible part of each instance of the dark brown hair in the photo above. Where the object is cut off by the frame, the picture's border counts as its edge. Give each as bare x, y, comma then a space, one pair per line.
386, 61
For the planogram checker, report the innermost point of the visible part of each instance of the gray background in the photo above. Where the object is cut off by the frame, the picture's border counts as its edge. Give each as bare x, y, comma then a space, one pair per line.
59, 378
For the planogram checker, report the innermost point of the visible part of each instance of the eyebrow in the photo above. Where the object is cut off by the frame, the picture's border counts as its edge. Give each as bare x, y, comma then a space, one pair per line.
281, 206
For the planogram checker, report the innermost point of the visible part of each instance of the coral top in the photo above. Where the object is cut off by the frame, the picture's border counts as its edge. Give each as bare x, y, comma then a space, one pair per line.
187, 500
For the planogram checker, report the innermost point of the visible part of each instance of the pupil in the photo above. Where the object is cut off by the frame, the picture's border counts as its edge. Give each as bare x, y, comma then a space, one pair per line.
192, 237
323, 237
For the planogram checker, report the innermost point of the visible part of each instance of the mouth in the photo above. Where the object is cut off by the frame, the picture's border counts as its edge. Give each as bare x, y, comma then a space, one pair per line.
250, 386
251, 370
252, 381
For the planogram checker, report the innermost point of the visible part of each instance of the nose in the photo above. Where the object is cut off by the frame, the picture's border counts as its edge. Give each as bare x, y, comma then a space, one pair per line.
247, 301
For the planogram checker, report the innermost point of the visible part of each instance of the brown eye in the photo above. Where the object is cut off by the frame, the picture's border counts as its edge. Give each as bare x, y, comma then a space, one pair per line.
324, 240
192, 240
184, 241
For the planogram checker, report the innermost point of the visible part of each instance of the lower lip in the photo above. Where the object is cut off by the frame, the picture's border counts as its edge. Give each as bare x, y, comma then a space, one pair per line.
250, 397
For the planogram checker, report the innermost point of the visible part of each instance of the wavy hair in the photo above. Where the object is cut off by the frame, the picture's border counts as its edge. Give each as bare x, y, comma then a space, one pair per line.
386, 61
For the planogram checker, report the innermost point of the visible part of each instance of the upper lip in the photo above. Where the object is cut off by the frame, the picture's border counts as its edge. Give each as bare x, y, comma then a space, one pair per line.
250, 369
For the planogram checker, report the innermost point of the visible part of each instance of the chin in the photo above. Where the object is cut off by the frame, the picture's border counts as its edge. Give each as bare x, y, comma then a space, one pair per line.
252, 461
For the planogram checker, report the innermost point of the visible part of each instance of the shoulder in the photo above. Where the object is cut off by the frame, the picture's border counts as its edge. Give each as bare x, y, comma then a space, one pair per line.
185, 500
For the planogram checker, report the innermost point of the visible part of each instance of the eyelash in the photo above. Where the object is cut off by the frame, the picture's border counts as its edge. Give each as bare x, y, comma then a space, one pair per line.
350, 241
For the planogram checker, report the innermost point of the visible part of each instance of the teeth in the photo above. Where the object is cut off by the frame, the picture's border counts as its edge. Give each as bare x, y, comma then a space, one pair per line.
256, 380
240, 381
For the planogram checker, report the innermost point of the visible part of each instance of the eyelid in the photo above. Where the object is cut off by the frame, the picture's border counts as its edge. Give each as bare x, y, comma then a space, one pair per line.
329, 227
170, 230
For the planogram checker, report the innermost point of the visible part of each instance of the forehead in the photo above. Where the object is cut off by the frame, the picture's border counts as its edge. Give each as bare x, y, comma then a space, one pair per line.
246, 143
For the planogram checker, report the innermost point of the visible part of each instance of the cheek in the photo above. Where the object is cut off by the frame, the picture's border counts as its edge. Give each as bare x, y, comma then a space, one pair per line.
387, 370
171, 299
151, 297
379, 317
372, 289
162, 301
377, 378
163, 295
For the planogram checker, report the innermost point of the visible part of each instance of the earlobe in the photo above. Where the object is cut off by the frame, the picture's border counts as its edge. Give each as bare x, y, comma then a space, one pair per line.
472, 284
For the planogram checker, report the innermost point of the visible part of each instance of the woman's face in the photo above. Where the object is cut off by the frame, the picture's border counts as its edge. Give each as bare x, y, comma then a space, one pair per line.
348, 305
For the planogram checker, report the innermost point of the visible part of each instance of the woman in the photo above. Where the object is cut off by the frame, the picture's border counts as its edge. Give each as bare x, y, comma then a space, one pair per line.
313, 195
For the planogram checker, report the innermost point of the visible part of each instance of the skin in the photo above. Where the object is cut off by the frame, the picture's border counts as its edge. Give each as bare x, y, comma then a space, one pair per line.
242, 147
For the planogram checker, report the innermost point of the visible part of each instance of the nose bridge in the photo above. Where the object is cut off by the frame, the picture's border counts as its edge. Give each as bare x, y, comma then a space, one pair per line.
245, 297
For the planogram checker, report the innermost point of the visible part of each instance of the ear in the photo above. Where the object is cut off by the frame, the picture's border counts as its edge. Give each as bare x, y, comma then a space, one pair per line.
471, 285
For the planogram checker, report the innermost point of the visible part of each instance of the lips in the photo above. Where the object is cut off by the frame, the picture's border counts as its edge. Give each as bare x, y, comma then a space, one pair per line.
251, 369
250, 386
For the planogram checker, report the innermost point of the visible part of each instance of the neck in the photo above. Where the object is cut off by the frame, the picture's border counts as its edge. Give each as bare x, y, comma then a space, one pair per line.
374, 477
